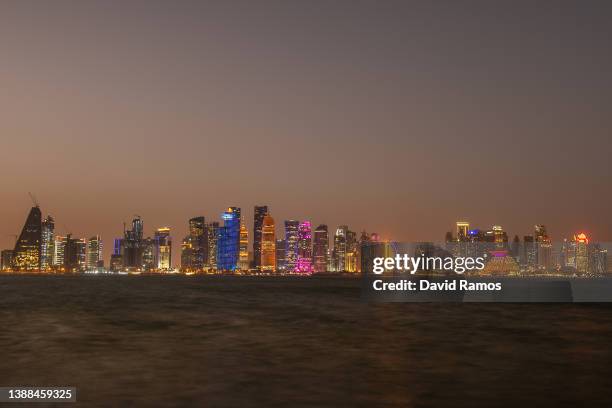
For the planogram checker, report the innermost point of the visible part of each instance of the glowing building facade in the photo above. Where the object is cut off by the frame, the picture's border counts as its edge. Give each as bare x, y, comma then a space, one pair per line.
59, 247
134, 246
291, 245
268, 245
212, 230
47, 243
162, 249
243, 256
94, 252
199, 242
320, 249
6, 260
339, 252
26, 255
352, 252
582, 257
304, 260
462, 230
229, 240
260, 211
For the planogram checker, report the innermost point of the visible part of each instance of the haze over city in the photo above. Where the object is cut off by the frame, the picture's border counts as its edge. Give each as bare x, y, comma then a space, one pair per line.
394, 117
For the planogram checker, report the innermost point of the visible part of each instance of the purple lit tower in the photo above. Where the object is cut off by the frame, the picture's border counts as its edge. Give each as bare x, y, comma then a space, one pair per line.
304, 261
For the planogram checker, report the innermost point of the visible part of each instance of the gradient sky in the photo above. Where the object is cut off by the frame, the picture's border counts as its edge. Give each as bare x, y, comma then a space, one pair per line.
391, 116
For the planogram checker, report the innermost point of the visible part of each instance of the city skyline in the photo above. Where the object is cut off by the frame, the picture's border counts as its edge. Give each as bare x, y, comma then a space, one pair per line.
398, 118
232, 250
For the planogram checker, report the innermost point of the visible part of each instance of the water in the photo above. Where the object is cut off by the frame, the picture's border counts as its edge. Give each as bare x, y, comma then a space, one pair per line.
239, 342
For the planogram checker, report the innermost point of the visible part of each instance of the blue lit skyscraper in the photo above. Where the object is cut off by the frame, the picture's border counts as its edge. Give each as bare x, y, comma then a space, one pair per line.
228, 245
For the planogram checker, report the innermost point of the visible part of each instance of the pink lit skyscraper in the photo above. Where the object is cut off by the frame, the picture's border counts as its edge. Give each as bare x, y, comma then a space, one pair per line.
304, 261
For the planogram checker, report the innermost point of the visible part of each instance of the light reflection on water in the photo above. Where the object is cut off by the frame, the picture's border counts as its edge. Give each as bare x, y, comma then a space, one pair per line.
236, 341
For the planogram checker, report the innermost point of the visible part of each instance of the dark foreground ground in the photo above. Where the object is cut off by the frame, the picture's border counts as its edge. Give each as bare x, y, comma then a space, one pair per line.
242, 342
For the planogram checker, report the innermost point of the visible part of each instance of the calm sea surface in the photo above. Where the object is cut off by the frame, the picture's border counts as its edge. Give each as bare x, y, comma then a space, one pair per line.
241, 342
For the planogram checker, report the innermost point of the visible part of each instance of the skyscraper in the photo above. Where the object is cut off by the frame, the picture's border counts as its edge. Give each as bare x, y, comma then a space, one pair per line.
320, 249
280, 255
582, 258
268, 244
243, 255
462, 230
304, 261
229, 240
260, 212
543, 248
81, 248
59, 248
352, 251
75, 250
94, 252
199, 242
529, 252
291, 245
163, 249
212, 230
187, 256
116, 260
134, 246
148, 255
47, 243
6, 260
339, 252
26, 255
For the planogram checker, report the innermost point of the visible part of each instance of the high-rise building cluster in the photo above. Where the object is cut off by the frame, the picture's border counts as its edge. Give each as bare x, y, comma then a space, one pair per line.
39, 249
533, 255
299, 250
134, 252
223, 247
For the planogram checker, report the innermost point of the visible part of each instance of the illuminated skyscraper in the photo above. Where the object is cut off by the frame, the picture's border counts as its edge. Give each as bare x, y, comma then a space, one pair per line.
94, 252
81, 247
320, 249
59, 248
364, 239
212, 230
134, 246
26, 255
374, 249
229, 240
280, 255
243, 256
6, 260
260, 212
163, 249
500, 238
75, 254
462, 230
339, 251
598, 260
582, 258
304, 261
47, 243
116, 260
198, 235
268, 245
543, 248
352, 252
187, 254
291, 245
529, 252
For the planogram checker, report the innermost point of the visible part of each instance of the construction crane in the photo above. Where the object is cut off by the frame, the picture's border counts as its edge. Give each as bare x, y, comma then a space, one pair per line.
34, 200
